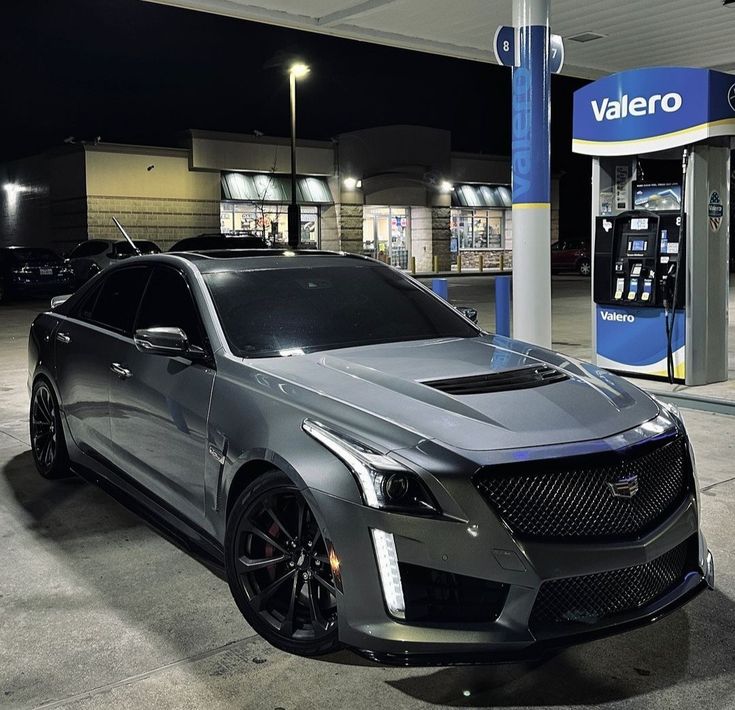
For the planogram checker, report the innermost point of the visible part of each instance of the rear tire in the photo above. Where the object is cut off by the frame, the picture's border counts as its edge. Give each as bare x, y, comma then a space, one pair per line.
278, 567
48, 444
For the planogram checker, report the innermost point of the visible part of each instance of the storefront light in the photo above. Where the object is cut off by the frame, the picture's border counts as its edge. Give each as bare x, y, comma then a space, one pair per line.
446, 186
351, 183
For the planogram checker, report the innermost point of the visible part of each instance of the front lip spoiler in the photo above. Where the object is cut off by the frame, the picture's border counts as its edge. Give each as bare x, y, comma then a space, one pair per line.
535, 651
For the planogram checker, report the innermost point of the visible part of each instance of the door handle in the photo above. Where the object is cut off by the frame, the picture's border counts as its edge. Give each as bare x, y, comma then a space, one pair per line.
122, 372
63, 338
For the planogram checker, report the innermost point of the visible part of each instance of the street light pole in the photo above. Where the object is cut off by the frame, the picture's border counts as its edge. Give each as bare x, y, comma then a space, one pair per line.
297, 71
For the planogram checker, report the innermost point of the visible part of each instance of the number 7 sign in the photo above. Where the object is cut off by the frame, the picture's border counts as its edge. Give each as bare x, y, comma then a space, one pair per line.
504, 46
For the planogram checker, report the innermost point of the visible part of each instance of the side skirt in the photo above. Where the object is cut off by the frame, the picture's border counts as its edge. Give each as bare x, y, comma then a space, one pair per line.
157, 514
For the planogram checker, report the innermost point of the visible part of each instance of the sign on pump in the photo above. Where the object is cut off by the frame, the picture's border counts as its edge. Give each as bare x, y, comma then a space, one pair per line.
610, 109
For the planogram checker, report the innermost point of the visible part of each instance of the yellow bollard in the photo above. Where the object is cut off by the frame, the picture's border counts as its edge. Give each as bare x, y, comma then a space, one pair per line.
413, 265
459, 263
436, 264
482, 262
501, 260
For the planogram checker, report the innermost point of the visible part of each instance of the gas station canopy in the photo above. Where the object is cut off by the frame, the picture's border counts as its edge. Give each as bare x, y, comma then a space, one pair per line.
600, 36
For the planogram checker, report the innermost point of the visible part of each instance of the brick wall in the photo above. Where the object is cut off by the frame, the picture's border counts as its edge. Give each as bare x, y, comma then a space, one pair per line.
162, 220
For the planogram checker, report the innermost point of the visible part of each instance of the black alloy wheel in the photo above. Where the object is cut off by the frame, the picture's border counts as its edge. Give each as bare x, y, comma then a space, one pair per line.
47, 435
278, 567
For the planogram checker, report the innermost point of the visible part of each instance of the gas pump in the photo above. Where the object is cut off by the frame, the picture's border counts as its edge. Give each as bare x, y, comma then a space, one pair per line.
660, 252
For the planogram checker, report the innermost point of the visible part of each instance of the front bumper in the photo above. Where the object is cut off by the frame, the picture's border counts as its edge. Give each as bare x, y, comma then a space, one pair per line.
484, 549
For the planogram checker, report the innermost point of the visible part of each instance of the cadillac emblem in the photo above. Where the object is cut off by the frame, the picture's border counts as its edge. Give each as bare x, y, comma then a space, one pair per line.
625, 487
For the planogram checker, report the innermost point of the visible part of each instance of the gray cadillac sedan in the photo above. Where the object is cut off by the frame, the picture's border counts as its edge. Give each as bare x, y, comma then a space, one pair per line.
364, 465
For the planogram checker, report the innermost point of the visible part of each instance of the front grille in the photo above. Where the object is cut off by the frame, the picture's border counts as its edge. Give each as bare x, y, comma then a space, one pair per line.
435, 596
518, 379
572, 499
594, 598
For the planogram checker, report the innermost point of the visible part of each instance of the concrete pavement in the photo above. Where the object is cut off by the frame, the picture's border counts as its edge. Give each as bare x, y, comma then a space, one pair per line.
99, 611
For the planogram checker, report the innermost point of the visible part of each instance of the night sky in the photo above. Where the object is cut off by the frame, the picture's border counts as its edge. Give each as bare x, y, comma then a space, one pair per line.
136, 72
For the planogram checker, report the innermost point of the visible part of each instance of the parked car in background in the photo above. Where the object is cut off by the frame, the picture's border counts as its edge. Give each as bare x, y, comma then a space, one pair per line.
90, 257
571, 255
32, 271
208, 242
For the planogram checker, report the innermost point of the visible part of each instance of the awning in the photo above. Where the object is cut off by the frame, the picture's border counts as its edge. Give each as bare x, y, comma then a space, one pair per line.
274, 188
481, 196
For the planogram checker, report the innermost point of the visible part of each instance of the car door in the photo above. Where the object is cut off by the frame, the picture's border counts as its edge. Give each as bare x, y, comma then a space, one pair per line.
159, 404
85, 343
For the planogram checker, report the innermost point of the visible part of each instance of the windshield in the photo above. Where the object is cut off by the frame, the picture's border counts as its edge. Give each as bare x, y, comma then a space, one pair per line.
267, 312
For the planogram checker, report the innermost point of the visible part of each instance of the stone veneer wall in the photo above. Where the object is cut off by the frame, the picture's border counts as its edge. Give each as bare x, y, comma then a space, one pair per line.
328, 231
440, 236
422, 246
490, 258
349, 227
161, 220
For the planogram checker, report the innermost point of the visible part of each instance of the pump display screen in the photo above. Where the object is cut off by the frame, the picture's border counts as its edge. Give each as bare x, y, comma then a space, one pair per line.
637, 246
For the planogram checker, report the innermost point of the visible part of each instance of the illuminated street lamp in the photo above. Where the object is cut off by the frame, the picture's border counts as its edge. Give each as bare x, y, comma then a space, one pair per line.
297, 71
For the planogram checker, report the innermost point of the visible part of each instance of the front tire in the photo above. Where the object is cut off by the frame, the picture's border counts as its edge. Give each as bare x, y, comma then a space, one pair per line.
278, 567
47, 434
585, 267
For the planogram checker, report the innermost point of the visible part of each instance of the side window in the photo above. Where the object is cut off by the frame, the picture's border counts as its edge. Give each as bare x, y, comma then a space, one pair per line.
86, 306
168, 303
118, 299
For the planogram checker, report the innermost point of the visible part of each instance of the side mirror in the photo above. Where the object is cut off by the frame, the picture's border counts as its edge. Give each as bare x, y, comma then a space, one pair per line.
468, 312
162, 341
56, 301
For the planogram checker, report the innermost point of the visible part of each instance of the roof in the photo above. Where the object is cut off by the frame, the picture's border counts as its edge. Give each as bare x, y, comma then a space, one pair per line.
252, 259
630, 33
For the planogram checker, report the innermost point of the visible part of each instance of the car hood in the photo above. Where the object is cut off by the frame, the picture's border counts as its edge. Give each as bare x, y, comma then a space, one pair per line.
385, 381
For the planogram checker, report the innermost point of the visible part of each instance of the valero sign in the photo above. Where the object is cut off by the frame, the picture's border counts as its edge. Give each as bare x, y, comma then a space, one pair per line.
645, 110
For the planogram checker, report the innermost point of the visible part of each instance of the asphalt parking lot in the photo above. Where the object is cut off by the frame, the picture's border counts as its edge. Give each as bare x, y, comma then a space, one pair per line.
97, 610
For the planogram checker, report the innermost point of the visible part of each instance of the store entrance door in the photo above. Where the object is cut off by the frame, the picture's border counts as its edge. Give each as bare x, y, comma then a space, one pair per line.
386, 235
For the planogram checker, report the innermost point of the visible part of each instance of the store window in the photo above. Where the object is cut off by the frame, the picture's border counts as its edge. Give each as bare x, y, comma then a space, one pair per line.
478, 229
269, 221
386, 235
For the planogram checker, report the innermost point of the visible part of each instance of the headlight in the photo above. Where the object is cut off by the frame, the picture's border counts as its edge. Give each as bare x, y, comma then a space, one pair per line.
672, 409
383, 481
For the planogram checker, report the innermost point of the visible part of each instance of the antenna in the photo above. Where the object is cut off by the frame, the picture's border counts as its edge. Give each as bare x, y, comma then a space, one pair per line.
126, 235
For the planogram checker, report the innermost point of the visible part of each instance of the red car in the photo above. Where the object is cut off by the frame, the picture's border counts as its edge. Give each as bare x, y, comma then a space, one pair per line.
571, 255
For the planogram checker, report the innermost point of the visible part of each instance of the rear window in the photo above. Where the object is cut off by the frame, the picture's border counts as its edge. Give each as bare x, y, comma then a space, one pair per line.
89, 249
265, 313
30, 255
146, 247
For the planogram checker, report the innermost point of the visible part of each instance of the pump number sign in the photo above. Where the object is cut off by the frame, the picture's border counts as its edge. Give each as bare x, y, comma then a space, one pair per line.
504, 46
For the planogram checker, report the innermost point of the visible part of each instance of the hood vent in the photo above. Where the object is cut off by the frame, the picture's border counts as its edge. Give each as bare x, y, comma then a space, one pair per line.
522, 378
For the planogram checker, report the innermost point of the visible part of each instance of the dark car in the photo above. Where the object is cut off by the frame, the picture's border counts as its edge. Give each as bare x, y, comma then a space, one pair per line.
90, 257
363, 464
33, 271
571, 255
209, 242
